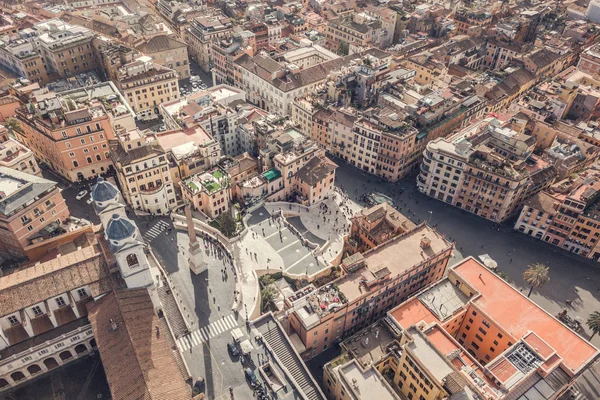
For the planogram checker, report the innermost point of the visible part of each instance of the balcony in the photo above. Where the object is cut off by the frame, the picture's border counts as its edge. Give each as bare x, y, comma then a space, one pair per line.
151, 190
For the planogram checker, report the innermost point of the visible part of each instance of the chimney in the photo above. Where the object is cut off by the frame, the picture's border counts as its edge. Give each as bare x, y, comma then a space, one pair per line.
425, 242
113, 325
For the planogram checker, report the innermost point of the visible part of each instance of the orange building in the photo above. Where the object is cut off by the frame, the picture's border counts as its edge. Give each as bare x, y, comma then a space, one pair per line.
32, 210
476, 330
373, 283
374, 226
70, 136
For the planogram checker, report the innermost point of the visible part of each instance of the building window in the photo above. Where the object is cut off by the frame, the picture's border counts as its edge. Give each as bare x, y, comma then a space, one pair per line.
132, 260
60, 302
13, 320
82, 293
75, 164
36, 310
64, 135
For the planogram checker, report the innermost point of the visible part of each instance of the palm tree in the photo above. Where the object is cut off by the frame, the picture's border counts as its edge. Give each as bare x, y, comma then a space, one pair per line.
593, 322
536, 275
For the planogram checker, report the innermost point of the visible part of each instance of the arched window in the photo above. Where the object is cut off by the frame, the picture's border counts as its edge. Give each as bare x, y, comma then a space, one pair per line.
132, 260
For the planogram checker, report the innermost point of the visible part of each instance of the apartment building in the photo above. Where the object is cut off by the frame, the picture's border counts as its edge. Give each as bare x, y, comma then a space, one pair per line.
315, 180
589, 61
474, 335
43, 316
191, 150
274, 85
374, 226
373, 283
200, 34
67, 49
70, 134
486, 169
144, 83
31, 209
21, 58
209, 192
143, 171
566, 215
211, 110
225, 50
356, 373
169, 52
357, 31
15, 156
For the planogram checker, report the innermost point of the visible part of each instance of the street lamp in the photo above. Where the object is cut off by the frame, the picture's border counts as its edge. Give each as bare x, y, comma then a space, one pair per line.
430, 218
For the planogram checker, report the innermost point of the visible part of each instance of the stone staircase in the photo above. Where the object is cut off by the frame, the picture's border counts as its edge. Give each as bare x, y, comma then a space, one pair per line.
171, 311
285, 353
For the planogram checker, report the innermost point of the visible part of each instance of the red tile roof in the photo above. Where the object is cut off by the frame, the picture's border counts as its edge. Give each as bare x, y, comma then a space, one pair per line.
137, 359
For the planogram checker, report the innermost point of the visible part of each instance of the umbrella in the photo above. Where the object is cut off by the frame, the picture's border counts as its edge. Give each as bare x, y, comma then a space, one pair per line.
488, 261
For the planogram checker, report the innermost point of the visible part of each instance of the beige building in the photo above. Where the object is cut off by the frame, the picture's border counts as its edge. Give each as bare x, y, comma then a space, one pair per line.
144, 83
486, 169
16, 156
142, 167
200, 34
169, 52
20, 57
67, 49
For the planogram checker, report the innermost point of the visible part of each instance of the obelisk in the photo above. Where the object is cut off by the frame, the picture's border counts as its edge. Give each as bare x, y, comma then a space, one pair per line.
196, 259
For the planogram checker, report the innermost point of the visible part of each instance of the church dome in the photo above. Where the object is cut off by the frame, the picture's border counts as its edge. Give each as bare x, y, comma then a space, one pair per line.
104, 191
119, 228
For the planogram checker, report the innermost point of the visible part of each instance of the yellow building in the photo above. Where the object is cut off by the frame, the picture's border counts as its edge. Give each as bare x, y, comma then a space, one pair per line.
168, 52
143, 171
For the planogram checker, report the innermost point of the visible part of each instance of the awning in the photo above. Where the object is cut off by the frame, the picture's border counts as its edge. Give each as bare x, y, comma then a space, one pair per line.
246, 347
237, 334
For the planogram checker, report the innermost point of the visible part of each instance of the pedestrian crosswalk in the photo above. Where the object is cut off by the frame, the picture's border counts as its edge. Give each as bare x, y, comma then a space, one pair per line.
201, 335
156, 230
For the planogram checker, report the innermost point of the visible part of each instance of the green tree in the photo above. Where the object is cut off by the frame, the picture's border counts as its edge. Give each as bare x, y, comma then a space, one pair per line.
267, 295
343, 48
536, 275
226, 224
593, 322
13, 124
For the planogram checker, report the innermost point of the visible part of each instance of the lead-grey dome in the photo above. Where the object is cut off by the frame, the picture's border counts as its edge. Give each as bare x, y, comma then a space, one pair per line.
119, 228
104, 191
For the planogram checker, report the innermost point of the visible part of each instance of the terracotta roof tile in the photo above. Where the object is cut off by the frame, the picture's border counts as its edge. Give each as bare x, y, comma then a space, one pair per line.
137, 358
68, 272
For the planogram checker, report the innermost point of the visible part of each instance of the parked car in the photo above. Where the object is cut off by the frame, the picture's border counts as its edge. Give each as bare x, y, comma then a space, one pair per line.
90, 200
251, 376
233, 349
81, 194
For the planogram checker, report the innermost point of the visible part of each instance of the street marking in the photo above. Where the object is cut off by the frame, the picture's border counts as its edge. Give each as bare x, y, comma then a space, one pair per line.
201, 335
156, 230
